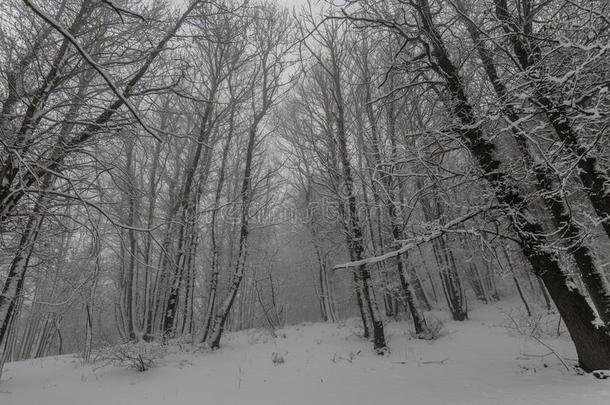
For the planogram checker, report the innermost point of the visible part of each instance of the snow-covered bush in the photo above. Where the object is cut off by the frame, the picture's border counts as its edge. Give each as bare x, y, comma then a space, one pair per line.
436, 329
277, 358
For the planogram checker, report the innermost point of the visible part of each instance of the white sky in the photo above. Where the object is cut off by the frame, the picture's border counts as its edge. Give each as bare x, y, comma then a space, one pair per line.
293, 2
298, 3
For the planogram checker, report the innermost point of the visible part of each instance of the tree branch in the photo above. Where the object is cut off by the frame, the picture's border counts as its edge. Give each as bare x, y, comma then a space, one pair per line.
57, 26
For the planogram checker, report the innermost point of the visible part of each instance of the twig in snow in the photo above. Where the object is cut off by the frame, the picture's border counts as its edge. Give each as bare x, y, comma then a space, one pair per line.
552, 351
434, 361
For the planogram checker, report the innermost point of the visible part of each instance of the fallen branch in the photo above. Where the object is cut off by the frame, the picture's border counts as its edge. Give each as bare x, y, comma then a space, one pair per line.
552, 351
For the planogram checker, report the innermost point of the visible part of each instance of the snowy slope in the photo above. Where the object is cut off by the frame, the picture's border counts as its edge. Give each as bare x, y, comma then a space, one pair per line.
476, 362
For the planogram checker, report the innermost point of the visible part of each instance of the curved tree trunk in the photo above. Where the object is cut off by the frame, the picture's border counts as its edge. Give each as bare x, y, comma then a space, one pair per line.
589, 267
591, 341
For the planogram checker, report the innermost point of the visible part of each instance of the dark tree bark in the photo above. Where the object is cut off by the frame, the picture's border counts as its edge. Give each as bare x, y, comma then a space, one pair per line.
592, 342
592, 175
589, 267
13, 286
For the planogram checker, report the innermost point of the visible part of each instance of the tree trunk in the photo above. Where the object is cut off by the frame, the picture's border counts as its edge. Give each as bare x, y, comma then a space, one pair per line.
354, 233
591, 174
592, 342
13, 285
246, 197
590, 271
215, 269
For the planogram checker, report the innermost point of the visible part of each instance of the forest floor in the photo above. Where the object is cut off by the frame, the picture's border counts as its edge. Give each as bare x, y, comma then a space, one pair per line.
485, 360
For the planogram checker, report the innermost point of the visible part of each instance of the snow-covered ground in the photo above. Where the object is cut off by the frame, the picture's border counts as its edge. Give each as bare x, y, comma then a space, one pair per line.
475, 362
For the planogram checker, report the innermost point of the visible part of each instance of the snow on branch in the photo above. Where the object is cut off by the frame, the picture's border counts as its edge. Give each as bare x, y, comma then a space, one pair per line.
413, 242
58, 27
120, 11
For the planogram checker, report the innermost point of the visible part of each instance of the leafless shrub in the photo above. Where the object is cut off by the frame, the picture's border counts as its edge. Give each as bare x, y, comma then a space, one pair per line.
138, 356
537, 326
349, 358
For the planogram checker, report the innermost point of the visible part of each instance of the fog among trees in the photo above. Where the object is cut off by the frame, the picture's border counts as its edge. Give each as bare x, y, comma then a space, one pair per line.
174, 171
